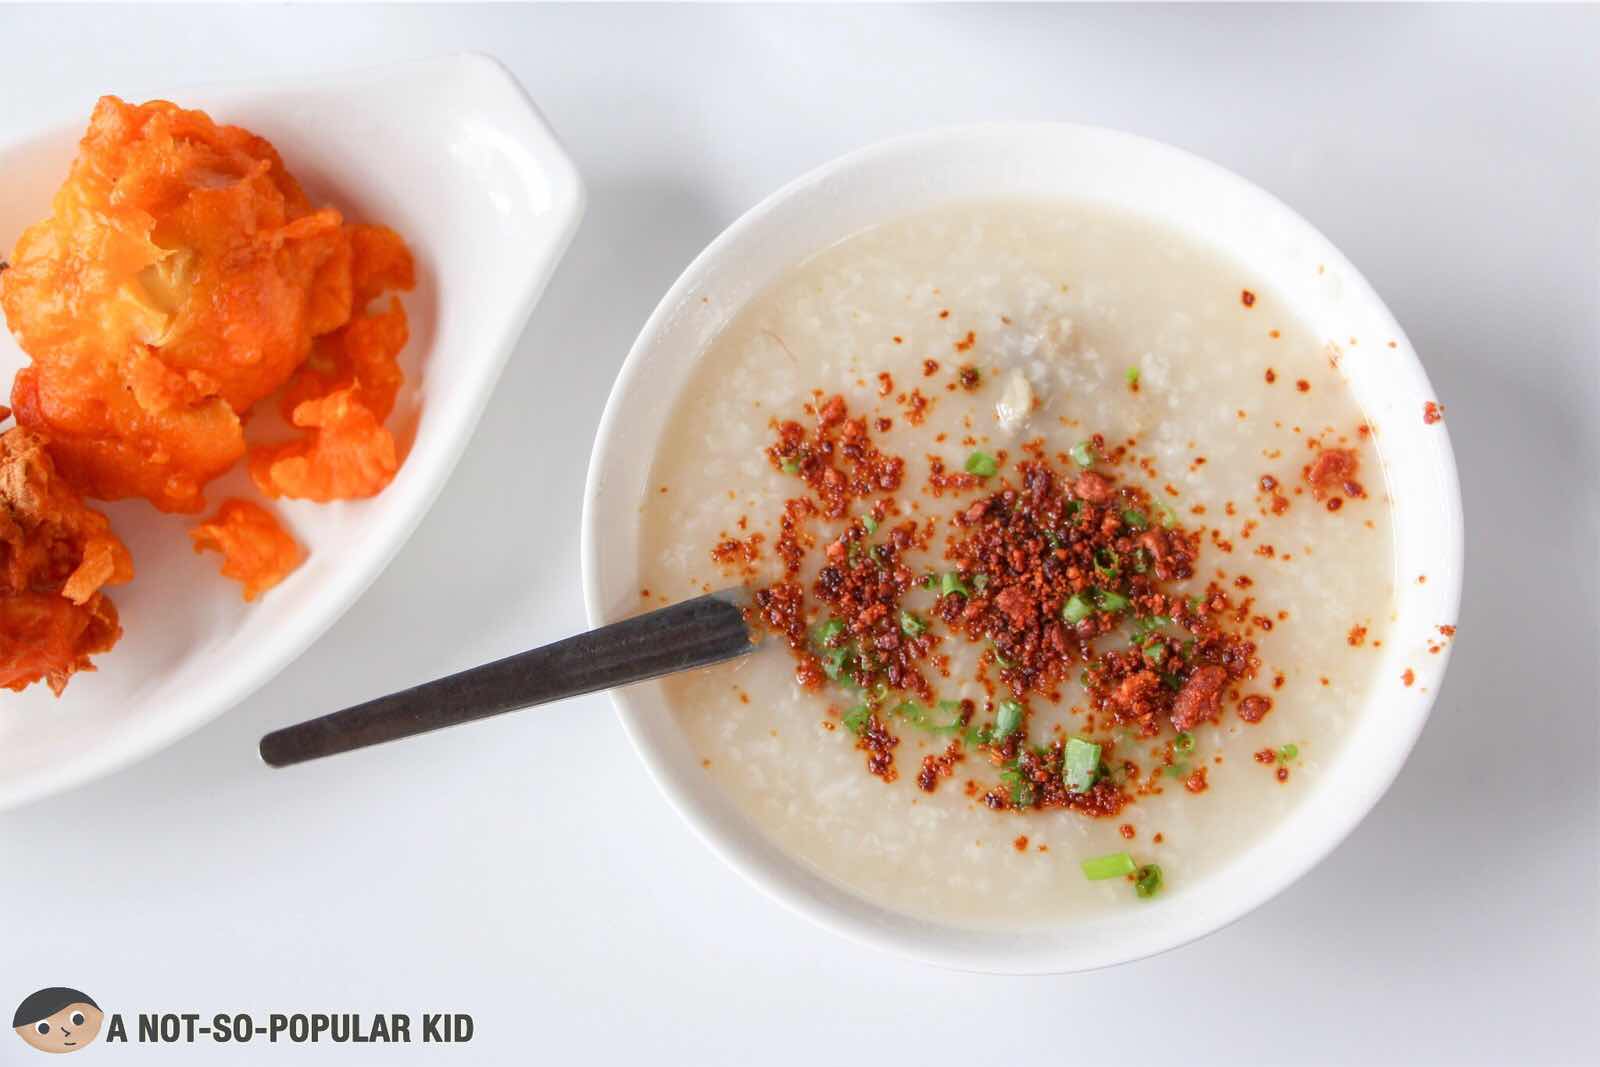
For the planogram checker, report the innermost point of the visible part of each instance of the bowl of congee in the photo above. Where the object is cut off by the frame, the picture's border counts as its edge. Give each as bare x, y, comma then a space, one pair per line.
1097, 524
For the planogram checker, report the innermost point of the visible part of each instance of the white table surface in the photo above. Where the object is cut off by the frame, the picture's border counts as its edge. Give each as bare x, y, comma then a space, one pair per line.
526, 871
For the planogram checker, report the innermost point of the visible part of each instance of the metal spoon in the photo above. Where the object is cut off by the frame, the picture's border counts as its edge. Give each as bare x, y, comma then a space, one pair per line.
695, 633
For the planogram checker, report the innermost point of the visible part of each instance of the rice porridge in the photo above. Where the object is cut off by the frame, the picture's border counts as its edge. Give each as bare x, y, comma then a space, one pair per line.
1074, 549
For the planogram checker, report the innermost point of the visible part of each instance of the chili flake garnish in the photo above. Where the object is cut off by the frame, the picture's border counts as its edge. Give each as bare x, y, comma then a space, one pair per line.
1058, 569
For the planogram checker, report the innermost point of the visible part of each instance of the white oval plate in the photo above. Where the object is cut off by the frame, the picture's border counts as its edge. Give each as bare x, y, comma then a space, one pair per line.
1041, 160
452, 154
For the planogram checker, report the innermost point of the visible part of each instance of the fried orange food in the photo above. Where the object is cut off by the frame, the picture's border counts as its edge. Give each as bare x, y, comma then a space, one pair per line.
182, 277
342, 394
55, 557
256, 550
348, 455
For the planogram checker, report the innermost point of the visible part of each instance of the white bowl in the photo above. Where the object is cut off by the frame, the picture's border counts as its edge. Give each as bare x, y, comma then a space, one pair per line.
451, 153
1041, 161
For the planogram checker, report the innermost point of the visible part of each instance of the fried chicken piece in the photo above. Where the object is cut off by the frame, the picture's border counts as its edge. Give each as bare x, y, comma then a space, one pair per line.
55, 555
256, 550
181, 277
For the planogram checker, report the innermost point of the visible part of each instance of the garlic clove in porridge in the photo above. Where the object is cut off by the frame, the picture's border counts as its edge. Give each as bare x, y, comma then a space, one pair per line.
1015, 402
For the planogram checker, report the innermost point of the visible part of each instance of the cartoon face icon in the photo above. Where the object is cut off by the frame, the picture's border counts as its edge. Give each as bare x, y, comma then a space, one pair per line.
58, 1020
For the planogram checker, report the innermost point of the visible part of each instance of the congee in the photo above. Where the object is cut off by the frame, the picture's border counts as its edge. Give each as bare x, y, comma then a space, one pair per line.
1070, 545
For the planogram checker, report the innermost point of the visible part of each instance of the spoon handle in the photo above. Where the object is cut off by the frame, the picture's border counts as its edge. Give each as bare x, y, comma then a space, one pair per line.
695, 633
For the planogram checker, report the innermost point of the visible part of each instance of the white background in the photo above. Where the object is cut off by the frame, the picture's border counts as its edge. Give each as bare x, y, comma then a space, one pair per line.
526, 871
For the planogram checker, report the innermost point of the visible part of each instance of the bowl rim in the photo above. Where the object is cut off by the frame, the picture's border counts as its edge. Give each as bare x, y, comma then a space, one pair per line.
845, 912
568, 198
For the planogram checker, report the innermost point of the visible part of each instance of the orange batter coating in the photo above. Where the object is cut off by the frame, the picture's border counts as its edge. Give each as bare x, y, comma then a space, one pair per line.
55, 555
348, 454
181, 278
256, 550
341, 397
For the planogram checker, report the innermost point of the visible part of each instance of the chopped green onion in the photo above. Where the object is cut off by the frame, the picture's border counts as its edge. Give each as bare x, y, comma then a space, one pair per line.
1156, 654
1184, 743
1146, 625
1169, 518
1172, 681
1009, 719
1076, 609
791, 466
1020, 788
919, 716
1147, 880
1080, 765
1082, 454
1177, 770
1288, 752
980, 582
1052, 539
870, 523
1135, 519
1001, 660
855, 720
828, 631
930, 581
979, 735
1116, 865
1072, 508
950, 582
1105, 563
982, 464
912, 626
1133, 375
834, 663
1110, 601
